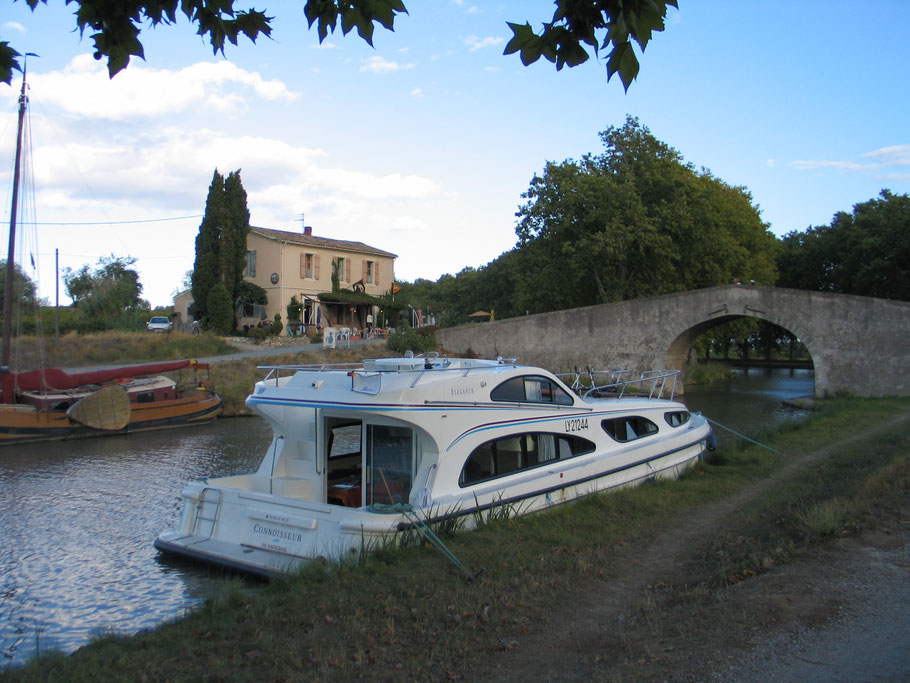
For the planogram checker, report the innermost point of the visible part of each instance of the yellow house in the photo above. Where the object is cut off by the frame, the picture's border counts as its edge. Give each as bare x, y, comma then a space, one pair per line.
287, 264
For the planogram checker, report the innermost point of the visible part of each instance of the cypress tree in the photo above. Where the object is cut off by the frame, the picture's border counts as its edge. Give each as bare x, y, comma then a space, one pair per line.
221, 244
235, 231
205, 268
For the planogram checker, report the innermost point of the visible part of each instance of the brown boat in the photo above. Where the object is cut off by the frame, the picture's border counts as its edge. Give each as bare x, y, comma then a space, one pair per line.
52, 404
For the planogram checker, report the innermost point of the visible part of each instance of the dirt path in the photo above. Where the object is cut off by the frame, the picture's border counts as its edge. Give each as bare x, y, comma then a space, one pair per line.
793, 622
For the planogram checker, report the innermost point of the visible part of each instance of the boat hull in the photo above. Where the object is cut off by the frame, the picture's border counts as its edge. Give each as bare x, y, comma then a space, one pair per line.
257, 532
18, 425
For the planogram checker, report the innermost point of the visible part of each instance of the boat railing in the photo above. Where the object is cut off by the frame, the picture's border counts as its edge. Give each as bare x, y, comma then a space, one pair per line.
369, 380
614, 383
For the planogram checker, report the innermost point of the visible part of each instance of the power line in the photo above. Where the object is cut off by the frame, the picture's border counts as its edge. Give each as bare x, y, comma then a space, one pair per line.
146, 220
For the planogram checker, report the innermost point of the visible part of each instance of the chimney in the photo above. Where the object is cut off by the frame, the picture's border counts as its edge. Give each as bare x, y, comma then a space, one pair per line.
307, 229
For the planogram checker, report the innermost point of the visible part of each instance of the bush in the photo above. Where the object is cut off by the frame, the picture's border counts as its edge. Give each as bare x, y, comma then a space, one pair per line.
277, 326
408, 339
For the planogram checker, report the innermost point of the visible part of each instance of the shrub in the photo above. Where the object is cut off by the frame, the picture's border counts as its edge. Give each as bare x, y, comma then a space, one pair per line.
408, 339
277, 326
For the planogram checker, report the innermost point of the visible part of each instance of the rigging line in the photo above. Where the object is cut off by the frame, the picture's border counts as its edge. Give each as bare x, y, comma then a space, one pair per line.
66, 149
143, 220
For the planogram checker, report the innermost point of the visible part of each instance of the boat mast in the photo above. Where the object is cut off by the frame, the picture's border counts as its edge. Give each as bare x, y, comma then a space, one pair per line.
11, 252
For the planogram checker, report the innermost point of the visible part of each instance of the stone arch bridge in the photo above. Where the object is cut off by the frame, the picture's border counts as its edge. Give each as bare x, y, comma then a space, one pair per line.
858, 344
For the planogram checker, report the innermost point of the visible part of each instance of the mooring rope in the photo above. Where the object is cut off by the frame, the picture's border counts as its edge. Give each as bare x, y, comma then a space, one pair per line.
424, 530
741, 436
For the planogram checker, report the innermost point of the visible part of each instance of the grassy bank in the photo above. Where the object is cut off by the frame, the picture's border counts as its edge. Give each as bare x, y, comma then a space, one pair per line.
234, 379
706, 373
408, 615
79, 350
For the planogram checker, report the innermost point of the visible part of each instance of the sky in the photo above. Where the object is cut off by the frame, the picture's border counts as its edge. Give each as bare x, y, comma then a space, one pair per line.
423, 144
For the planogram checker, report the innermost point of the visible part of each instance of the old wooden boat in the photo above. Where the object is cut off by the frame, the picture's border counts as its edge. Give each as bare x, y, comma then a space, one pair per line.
52, 404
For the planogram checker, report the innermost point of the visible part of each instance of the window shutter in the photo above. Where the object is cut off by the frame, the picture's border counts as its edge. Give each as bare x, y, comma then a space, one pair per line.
302, 265
347, 270
363, 272
376, 273
316, 267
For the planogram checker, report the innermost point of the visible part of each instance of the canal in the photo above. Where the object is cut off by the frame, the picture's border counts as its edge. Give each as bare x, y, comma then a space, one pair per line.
78, 518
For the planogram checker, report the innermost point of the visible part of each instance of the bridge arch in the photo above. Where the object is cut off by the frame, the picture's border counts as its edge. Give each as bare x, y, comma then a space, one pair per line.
858, 344
679, 349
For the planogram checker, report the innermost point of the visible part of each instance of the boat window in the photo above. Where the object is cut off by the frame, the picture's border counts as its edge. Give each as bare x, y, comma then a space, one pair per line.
624, 429
390, 453
145, 397
515, 453
677, 418
344, 440
531, 389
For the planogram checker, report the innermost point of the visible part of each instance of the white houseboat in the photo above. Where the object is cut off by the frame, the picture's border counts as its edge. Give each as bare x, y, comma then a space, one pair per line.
359, 452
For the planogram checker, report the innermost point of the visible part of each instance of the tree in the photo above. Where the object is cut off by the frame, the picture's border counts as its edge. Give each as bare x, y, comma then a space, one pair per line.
865, 252
24, 289
221, 243
598, 24
109, 293
634, 221
221, 310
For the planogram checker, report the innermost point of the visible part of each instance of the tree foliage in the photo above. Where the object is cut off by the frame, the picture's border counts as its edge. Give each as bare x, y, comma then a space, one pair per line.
220, 310
221, 244
609, 25
613, 25
634, 221
108, 294
866, 252
24, 289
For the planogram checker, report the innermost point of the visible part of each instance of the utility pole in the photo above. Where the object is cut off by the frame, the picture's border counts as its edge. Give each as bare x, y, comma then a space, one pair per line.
57, 292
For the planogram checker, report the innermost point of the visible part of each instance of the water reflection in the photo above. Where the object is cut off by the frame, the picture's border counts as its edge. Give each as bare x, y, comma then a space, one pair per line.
78, 519
751, 401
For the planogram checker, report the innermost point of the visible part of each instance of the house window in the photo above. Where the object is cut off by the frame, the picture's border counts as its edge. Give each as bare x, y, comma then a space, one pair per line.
251, 264
307, 266
370, 269
344, 268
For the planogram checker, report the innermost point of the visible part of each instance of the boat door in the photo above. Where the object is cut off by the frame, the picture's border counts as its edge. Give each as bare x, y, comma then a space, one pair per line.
390, 463
344, 461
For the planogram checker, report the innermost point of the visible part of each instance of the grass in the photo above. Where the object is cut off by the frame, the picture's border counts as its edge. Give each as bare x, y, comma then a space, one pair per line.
706, 373
404, 613
78, 350
234, 379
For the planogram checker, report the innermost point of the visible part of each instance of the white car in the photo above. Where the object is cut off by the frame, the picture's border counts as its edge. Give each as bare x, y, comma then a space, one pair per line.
160, 323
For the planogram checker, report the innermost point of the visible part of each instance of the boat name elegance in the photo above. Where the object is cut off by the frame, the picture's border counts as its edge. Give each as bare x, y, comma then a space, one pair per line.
461, 391
577, 424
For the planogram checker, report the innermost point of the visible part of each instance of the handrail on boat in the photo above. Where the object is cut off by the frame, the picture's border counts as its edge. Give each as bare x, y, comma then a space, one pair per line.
585, 382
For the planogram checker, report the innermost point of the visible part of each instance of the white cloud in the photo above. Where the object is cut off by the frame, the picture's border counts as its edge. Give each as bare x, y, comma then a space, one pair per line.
416, 92
896, 155
475, 43
380, 65
84, 89
14, 26
843, 166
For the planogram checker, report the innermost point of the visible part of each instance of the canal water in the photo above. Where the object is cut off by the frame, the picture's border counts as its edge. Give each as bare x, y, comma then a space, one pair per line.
78, 518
